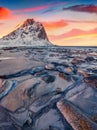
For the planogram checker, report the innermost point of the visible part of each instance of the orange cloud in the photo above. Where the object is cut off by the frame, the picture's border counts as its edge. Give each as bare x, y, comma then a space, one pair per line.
5, 13
75, 33
77, 21
1, 24
81, 40
54, 24
80, 36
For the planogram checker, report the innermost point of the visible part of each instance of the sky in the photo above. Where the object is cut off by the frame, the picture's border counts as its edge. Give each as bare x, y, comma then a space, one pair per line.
67, 23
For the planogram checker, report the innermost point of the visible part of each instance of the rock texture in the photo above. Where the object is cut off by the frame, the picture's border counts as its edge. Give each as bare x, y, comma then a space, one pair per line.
29, 32
43, 89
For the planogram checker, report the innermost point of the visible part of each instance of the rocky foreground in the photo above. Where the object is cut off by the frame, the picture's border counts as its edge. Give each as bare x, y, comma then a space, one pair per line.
51, 88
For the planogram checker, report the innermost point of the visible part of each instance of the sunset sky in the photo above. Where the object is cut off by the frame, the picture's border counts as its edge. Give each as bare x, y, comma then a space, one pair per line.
67, 23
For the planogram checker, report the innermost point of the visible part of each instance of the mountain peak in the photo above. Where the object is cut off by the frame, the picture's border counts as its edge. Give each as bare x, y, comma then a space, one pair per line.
28, 22
30, 32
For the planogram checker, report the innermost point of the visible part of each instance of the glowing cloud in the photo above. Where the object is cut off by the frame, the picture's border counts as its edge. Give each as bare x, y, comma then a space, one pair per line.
55, 24
80, 36
5, 13
1, 24
81, 40
74, 33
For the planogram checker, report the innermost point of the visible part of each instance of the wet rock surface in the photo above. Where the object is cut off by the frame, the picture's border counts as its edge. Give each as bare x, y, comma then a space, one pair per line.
5, 120
75, 117
48, 90
92, 79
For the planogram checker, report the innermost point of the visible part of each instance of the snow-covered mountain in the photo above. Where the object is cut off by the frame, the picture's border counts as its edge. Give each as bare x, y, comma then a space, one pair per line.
28, 33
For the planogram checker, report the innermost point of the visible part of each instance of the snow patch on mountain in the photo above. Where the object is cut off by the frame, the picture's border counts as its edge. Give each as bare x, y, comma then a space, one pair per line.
29, 33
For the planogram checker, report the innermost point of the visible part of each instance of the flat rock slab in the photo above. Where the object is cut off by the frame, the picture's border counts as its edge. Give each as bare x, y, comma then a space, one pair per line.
49, 120
5, 120
17, 98
44, 87
75, 117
